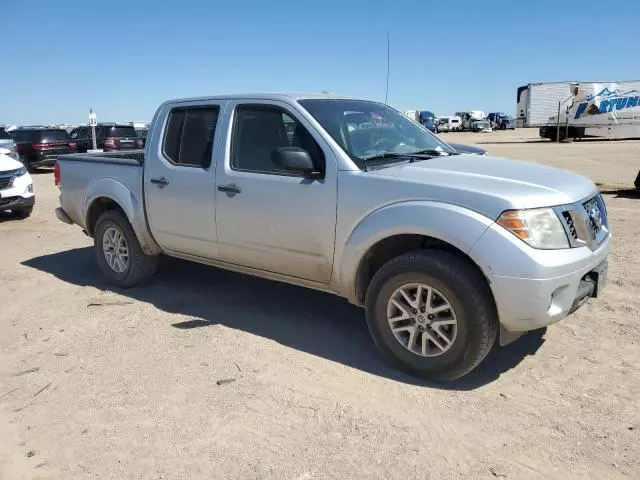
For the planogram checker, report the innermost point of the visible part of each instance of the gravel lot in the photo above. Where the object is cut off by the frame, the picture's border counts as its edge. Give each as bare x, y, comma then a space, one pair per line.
209, 374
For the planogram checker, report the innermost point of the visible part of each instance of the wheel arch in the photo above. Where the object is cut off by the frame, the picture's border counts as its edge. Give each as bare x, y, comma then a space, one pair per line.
393, 231
106, 194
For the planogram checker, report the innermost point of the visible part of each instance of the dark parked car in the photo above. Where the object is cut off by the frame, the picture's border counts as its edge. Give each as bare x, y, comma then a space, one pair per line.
7, 142
41, 146
142, 134
109, 137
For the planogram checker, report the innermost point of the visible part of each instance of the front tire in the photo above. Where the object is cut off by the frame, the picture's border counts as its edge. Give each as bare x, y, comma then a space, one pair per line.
118, 251
431, 314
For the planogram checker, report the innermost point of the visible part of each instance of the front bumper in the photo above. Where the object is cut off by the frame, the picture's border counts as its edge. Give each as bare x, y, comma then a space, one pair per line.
550, 285
20, 193
9, 203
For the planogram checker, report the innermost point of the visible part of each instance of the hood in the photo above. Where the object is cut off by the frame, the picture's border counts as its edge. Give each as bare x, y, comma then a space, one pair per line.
489, 185
7, 163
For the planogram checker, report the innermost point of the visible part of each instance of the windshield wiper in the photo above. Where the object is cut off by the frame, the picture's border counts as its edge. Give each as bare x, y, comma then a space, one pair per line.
432, 151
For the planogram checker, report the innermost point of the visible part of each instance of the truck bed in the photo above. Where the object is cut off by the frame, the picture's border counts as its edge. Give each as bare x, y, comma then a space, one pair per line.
83, 175
132, 157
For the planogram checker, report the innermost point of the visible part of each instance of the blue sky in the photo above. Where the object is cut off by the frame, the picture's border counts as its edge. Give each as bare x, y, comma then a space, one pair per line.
124, 57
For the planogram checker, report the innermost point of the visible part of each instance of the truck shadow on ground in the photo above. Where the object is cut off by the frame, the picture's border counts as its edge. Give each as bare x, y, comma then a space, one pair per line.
633, 193
313, 322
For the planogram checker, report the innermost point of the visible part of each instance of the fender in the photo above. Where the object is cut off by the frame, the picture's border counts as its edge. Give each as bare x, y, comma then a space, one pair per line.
132, 207
449, 223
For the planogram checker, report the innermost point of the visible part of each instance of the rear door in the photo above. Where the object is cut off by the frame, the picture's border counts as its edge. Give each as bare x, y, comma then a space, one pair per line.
179, 179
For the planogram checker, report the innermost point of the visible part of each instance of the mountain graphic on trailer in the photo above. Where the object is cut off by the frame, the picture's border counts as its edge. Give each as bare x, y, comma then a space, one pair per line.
606, 93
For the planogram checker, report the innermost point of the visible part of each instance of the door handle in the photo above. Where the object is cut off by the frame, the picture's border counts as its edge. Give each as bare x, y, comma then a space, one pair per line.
160, 181
231, 188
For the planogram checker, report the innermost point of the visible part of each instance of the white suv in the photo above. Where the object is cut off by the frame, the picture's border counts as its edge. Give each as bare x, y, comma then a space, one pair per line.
16, 186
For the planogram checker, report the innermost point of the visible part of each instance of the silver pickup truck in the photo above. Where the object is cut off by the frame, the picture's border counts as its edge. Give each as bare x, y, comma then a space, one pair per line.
444, 250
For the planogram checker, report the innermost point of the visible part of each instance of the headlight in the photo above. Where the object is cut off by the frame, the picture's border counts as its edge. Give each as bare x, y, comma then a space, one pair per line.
20, 172
539, 227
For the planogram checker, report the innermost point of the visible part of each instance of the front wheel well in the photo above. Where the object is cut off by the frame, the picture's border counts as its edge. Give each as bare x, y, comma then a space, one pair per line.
97, 208
392, 247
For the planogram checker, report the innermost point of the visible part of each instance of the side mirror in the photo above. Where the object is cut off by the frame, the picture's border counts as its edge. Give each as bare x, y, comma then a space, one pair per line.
295, 160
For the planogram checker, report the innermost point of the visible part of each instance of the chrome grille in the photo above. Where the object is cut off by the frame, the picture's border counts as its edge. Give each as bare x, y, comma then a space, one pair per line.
585, 222
570, 225
594, 216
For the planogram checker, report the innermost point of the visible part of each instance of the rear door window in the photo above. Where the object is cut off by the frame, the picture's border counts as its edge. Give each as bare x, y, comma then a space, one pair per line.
22, 135
189, 136
53, 135
120, 132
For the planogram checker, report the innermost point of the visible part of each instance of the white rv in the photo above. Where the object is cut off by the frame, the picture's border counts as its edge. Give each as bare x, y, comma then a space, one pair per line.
473, 121
587, 109
449, 124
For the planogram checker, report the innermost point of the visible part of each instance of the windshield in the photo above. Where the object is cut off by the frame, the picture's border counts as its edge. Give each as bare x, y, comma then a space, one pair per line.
369, 131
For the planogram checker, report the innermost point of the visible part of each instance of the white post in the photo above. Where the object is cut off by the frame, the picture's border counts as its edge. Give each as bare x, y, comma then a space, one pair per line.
92, 122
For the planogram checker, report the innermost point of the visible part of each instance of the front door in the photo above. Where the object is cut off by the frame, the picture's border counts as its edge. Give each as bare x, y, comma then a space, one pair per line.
179, 180
271, 220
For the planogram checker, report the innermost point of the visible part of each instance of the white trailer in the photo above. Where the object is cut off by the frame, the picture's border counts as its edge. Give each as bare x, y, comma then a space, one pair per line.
536, 102
596, 109
599, 109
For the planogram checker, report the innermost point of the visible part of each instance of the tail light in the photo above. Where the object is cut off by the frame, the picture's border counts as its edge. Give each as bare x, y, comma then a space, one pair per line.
17, 148
109, 142
56, 174
45, 145
73, 145
140, 143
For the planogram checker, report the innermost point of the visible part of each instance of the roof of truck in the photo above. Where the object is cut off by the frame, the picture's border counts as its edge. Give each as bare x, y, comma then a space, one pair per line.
264, 96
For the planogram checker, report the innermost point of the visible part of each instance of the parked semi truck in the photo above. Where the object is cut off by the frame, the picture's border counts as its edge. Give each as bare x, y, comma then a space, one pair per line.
608, 110
587, 109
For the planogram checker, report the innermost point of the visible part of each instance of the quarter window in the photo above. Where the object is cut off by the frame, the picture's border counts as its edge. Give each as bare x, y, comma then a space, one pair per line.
259, 130
188, 139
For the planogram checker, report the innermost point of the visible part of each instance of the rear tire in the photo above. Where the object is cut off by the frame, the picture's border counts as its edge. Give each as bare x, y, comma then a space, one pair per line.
471, 322
113, 236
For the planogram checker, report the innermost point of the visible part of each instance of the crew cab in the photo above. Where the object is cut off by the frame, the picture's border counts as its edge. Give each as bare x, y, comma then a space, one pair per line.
443, 250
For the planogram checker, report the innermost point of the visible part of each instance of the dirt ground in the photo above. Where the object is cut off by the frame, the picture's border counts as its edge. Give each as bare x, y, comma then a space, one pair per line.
209, 374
